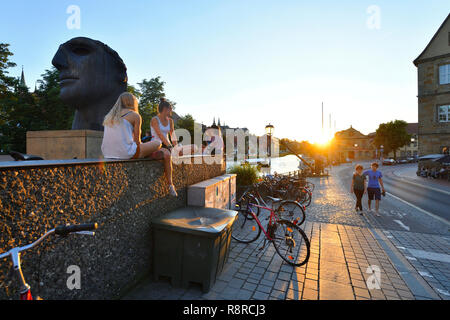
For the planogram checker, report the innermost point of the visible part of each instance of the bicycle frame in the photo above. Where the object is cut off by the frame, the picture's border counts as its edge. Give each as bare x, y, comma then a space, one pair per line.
25, 289
272, 216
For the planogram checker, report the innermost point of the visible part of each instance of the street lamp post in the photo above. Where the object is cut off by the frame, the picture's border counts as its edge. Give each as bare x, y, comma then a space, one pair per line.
269, 133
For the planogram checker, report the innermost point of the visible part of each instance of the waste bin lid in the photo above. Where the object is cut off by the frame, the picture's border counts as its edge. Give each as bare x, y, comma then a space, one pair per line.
197, 220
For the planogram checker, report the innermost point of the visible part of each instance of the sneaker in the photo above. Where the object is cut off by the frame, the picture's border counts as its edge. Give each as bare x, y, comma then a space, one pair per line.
172, 191
377, 214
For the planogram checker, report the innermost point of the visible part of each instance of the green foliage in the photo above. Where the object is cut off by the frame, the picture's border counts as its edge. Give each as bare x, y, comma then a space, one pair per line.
186, 122
54, 114
246, 174
392, 136
303, 147
6, 82
22, 111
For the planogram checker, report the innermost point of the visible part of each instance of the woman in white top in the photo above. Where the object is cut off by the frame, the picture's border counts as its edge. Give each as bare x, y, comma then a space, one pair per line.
161, 126
121, 138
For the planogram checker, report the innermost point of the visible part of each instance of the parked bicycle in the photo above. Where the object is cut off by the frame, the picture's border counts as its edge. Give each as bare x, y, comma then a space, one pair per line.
25, 289
289, 209
290, 242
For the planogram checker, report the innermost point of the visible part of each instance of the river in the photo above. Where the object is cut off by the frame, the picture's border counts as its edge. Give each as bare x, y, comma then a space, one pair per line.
279, 165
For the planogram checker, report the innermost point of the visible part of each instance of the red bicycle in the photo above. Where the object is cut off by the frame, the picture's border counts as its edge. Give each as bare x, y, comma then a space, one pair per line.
290, 242
25, 289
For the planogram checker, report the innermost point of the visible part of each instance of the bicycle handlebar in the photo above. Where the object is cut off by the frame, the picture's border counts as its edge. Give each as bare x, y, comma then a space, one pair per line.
60, 230
64, 230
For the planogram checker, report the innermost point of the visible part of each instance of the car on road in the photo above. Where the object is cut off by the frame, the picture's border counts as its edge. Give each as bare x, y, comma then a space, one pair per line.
388, 162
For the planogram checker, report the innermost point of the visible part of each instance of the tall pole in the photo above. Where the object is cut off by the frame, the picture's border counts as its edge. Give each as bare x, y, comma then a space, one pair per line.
322, 117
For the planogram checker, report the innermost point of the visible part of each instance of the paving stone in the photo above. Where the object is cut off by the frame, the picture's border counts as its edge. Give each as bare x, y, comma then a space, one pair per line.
258, 295
236, 283
330, 290
361, 292
249, 286
281, 285
279, 295
284, 276
263, 288
310, 294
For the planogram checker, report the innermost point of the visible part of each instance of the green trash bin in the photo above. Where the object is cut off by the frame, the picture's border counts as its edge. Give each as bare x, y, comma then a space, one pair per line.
191, 245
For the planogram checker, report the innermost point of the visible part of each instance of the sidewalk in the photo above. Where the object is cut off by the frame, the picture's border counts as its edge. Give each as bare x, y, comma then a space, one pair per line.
343, 246
408, 173
337, 269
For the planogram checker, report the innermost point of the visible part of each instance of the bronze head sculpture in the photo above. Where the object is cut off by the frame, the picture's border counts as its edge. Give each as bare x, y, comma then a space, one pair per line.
92, 76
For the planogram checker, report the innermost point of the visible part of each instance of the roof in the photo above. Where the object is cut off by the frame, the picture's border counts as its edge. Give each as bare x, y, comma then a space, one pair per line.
417, 60
412, 128
350, 133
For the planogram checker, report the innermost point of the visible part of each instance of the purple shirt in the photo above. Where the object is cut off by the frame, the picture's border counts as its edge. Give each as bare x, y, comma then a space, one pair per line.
373, 178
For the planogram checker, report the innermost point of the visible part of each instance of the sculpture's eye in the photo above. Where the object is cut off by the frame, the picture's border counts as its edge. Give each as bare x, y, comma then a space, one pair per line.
81, 51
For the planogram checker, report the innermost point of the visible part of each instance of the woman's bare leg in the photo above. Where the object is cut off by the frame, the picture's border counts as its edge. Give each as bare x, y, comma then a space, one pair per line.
168, 166
186, 150
148, 148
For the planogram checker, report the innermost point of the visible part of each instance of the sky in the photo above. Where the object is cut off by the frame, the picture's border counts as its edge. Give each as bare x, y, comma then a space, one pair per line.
249, 62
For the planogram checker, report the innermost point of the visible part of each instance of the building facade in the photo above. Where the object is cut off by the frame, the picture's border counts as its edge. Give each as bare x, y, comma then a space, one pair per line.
351, 145
433, 67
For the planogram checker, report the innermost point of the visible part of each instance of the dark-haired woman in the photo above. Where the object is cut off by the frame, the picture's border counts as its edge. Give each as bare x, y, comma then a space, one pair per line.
358, 187
161, 127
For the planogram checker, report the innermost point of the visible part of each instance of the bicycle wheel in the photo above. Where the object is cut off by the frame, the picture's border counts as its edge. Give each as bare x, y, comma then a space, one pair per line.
246, 198
291, 243
291, 211
245, 228
307, 200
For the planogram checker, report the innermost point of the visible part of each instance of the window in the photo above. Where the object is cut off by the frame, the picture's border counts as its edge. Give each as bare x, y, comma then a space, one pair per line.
444, 74
444, 114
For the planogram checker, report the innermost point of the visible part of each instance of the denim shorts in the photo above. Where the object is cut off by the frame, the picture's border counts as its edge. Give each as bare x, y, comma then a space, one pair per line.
374, 192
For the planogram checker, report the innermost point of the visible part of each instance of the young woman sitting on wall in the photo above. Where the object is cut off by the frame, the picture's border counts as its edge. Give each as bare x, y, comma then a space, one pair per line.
122, 135
162, 127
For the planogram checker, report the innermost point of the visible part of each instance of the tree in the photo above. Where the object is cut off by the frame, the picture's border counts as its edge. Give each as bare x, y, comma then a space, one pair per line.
54, 114
392, 136
150, 92
6, 83
186, 122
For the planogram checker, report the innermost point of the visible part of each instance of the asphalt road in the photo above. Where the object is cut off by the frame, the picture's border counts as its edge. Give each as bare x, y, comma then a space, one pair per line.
416, 206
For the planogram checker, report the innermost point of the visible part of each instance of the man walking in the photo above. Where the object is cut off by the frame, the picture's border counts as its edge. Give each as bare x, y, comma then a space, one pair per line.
373, 187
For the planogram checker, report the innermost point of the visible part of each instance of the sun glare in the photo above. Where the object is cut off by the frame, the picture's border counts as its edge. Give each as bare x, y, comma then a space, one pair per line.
323, 139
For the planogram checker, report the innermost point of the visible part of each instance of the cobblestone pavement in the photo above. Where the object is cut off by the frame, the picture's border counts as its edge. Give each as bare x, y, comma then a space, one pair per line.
346, 254
429, 255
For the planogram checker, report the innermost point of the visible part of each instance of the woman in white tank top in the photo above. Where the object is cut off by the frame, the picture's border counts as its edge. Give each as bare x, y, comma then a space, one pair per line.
162, 130
121, 138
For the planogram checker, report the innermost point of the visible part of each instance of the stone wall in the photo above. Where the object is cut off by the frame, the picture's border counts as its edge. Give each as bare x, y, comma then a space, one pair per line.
432, 134
121, 196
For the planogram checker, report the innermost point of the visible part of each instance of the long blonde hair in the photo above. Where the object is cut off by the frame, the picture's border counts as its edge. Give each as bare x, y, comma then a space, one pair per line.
125, 101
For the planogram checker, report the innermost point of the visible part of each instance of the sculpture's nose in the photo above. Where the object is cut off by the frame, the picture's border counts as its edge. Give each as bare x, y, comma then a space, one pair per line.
60, 59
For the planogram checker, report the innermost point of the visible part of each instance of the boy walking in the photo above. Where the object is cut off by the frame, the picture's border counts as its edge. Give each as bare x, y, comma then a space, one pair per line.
373, 187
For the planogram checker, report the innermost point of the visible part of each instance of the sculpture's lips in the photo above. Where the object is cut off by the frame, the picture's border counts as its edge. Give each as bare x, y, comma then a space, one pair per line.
63, 80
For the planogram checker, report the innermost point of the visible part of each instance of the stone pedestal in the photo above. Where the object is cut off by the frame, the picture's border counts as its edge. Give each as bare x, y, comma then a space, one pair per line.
65, 144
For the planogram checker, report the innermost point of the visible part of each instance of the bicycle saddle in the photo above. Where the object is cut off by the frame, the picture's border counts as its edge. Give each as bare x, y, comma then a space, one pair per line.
23, 157
274, 199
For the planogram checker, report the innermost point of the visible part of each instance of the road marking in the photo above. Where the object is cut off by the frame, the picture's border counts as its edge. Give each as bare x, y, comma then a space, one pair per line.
410, 258
402, 225
430, 255
444, 292
425, 274
420, 209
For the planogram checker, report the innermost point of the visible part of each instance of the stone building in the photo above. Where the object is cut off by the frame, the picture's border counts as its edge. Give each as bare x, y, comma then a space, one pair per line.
352, 145
433, 66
